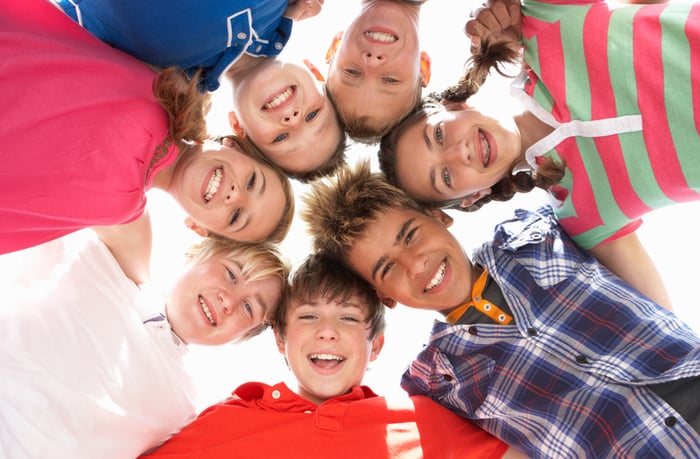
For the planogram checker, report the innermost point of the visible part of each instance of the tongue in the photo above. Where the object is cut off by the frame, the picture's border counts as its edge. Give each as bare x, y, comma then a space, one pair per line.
326, 363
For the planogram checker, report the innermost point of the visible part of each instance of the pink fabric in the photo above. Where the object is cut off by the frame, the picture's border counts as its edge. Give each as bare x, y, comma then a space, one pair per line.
78, 130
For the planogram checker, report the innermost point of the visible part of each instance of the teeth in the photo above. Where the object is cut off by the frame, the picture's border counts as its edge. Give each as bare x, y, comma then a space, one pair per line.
486, 147
206, 310
381, 36
439, 275
213, 185
280, 99
325, 357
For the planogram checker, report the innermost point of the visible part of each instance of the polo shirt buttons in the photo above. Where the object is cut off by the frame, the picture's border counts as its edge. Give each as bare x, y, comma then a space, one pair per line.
279, 46
241, 35
276, 394
581, 359
531, 331
472, 330
670, 421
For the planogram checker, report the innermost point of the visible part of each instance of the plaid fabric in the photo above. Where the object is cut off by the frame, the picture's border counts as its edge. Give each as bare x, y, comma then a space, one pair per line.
569, 378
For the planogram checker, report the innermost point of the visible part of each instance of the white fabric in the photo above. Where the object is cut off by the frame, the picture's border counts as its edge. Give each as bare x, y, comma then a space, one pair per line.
81, 375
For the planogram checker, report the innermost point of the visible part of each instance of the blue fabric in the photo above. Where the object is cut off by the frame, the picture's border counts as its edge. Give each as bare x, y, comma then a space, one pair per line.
189, 34
570, 378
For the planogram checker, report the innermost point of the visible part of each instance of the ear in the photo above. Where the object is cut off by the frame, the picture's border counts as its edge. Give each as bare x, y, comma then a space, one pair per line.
281, 342
424, 68
314, 70
472, 198
377, 345
386, 301
441, 216
333, 48
235, 125
194, 226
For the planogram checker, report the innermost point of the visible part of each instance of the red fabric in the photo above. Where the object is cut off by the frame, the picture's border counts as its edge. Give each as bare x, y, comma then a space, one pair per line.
273, 422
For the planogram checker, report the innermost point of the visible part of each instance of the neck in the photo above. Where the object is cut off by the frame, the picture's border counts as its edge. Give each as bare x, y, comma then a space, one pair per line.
531, 129
162, 180
243, 66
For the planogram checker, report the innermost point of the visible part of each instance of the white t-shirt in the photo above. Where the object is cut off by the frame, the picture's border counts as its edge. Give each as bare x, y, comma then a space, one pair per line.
84, 372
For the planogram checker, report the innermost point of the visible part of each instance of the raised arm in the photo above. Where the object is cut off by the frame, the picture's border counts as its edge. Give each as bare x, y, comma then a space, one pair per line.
628, 258
130, 245
303, 9
496, 21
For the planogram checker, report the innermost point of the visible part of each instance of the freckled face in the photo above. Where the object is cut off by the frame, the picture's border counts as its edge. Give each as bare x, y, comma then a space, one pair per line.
376, 68
285, 112
454, 153
328, 346
229, 193
412, 258
214, 303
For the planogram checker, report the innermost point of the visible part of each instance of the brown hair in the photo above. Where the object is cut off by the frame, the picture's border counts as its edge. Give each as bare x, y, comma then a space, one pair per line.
320, 276
185, 105
497, 55
338, 209
257, 261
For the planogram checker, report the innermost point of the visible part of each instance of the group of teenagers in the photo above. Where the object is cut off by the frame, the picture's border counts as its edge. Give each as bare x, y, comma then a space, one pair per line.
557, 337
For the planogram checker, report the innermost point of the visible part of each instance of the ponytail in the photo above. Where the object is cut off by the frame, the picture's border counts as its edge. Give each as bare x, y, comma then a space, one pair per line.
186, 106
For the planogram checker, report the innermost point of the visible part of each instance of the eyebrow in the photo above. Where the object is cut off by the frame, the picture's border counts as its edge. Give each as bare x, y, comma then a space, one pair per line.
399, 237
260, 300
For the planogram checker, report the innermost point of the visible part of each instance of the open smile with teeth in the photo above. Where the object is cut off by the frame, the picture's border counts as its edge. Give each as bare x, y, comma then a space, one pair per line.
279, 99
485, 148
214, 183
326, 360
381, 36
439, 276
206, 311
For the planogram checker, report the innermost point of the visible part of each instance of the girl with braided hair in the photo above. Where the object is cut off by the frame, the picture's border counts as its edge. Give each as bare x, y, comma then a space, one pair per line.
608, 123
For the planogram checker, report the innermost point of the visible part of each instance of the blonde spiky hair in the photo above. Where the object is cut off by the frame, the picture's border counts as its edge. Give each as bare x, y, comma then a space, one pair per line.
338, 209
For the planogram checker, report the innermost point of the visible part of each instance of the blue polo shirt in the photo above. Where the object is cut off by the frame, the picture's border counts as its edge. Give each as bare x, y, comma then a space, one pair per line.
189, 34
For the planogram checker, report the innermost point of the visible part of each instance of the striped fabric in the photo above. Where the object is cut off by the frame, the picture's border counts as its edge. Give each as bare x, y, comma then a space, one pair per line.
570, 377
621, 87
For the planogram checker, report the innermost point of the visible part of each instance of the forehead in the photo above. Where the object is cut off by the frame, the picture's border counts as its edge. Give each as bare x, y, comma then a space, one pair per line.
353, 302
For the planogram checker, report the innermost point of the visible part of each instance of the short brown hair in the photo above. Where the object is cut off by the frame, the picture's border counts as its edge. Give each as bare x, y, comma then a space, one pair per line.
320, 276
338, 209
257, 261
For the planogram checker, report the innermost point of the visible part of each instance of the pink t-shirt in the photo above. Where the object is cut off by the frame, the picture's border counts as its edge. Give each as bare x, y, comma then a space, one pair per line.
79, 128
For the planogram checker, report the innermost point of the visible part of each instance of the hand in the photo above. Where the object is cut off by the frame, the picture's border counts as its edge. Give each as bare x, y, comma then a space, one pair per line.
298, 10
498, 20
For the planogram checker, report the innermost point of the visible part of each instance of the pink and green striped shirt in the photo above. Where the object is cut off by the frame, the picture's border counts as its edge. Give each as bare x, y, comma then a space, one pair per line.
621, 87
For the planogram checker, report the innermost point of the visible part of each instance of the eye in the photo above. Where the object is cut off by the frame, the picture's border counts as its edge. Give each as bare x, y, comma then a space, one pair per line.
353, 72
234, 216
307, 317
311, 115
409, 235
280, 137
349, 319
386, 270
446, 179
390, 80
231, 276
251, 181
439, 134
248, 308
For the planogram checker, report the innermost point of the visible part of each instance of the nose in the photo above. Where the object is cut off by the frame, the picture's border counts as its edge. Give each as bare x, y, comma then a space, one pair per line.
415, 263
457, 154
373, 58
292, 118
228, 298
326, 331
235, 194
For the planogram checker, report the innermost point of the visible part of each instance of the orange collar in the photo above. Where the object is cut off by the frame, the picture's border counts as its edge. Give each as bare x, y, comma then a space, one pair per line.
477, 301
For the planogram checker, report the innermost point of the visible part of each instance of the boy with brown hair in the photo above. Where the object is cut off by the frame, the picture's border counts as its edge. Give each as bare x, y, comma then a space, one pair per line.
541, 345
329, 330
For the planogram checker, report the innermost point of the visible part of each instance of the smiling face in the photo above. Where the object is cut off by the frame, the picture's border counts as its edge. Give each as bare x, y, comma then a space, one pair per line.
412, 258
214, 303
284, 110
376, 69
227, 192
328, 346
455, 154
